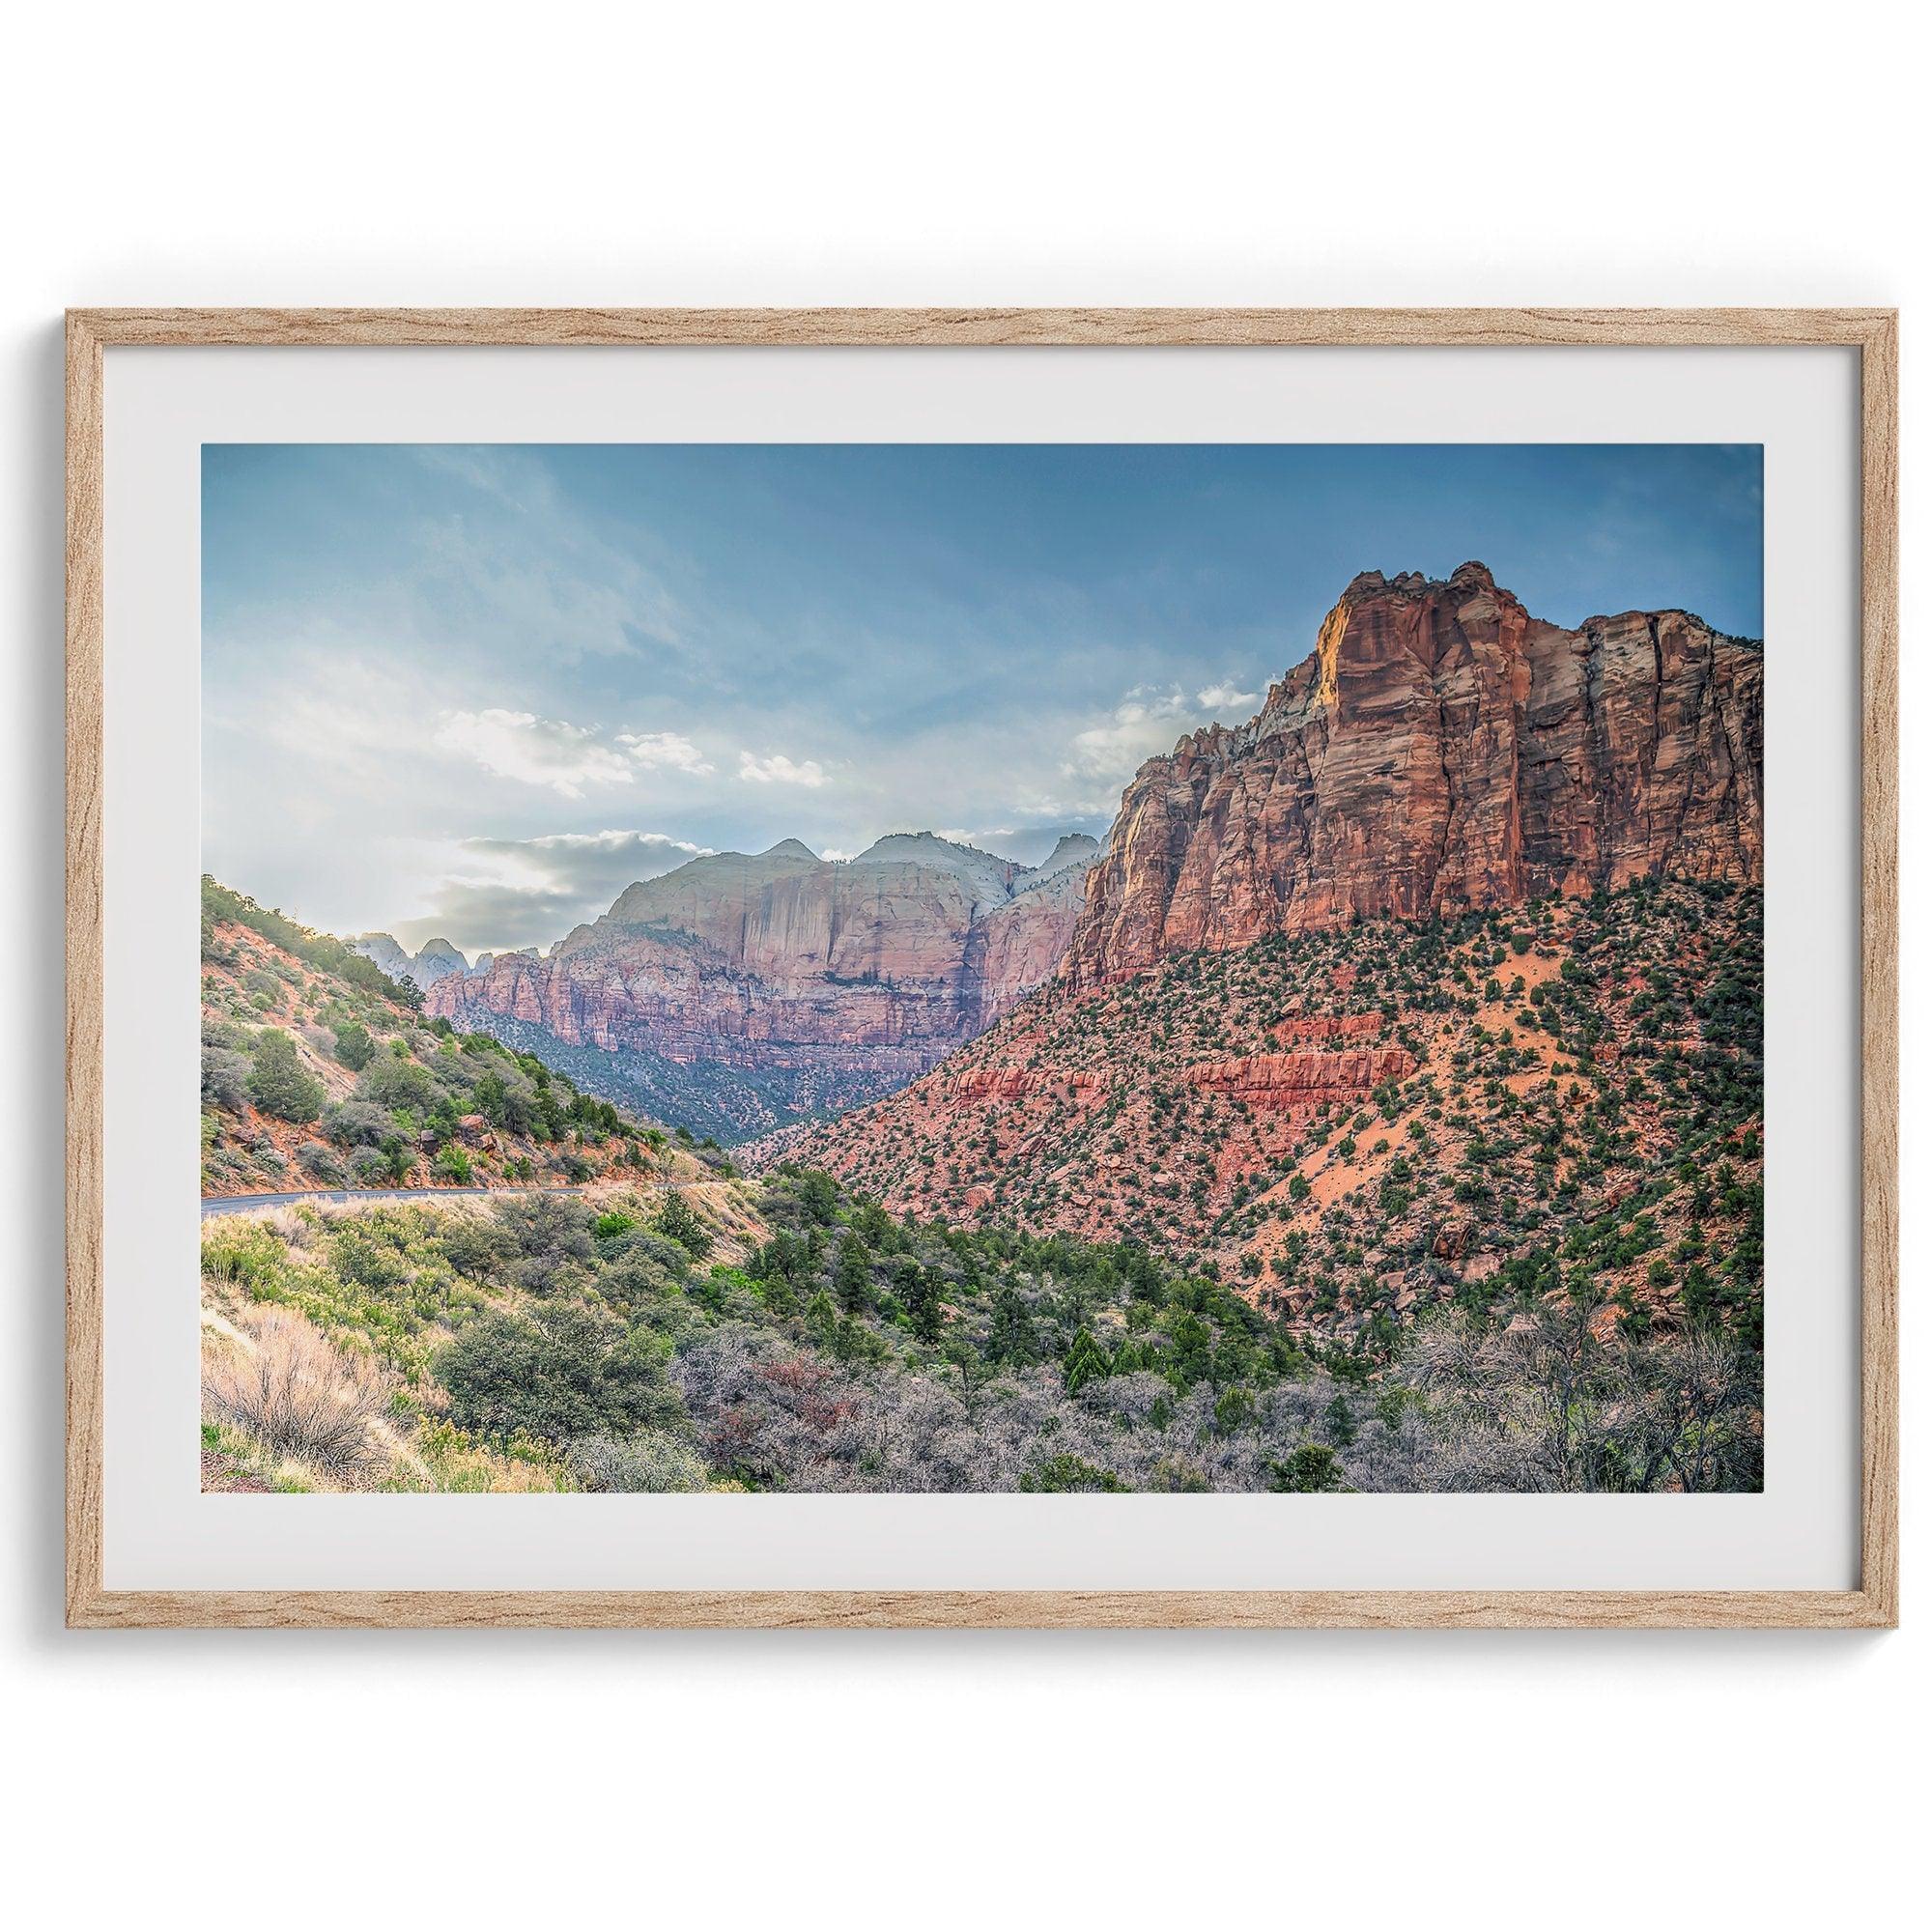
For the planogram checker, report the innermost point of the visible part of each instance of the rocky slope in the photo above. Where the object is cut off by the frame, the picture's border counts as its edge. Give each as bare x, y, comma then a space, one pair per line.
743, 991
1441, 751
1359, 1123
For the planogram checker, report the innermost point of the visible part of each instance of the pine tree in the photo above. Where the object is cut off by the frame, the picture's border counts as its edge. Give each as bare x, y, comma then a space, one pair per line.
854, 1279
1084, 1362
1010, 1338
280, 1084
677, 1223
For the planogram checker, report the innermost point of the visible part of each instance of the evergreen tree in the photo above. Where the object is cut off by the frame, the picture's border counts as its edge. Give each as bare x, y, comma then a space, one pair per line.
1012, 1339
1311, 1470
280, 1084
677, 1222
1083, 1363
854, 1278
1339, 1420
353, 1046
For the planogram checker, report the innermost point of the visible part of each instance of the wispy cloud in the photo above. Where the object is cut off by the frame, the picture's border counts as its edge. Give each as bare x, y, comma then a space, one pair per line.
1144, 722
582, 856
501, 893
778, 769
516, 563
665, 750
534, 751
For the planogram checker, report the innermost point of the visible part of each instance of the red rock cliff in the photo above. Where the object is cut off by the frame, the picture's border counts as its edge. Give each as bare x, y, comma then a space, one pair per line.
1441, 751
785, 960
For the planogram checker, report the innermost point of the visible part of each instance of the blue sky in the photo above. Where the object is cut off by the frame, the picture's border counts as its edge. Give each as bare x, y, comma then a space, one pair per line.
475, 691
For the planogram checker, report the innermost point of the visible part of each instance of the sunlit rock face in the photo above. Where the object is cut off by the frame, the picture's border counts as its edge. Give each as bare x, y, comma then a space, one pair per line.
1439, 751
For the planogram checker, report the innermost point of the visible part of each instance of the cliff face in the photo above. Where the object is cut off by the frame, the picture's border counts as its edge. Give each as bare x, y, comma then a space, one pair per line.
1442, 751
858, 975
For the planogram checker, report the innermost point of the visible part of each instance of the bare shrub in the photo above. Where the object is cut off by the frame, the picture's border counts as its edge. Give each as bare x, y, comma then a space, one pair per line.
286, 1386
1546, 1404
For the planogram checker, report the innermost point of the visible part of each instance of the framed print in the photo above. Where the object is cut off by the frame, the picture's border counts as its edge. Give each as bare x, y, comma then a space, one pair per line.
982, 968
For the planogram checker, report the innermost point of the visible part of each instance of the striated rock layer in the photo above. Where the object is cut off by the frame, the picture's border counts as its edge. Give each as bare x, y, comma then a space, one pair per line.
1442, 751
1287, 1083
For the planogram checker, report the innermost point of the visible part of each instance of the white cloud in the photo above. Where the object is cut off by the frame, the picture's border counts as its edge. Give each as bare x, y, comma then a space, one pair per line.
778, 769
653, 749
534, 751
1143, 723
1224, 698
1148, 719
1048, 805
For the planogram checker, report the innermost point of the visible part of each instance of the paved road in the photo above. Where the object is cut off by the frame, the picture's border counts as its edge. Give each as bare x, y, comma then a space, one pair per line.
235, 1204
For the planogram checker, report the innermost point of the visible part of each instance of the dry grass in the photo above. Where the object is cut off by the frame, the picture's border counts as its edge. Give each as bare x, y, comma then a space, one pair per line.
284, 1385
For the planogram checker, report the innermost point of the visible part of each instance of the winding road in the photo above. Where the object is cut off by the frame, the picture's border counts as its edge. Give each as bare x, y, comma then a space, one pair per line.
238, 1203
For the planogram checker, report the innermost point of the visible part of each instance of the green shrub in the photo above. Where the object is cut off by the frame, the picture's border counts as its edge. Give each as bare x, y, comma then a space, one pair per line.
280, 1084
358, 1124
353, 1046
562, 1376
1311, 1470
1069, 1475
324, 1163
476, 1249
392, 1083
241, 1252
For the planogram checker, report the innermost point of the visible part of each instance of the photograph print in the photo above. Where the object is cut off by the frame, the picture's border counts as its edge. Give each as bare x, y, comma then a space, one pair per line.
1019, 968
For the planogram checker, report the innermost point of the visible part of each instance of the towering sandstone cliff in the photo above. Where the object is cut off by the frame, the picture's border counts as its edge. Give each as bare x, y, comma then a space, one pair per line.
828, 982
1441, 751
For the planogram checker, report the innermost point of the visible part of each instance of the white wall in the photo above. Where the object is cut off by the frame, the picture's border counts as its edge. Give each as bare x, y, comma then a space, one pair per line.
992, 154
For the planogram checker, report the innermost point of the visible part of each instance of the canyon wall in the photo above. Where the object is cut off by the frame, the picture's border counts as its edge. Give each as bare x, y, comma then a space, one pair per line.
1441, 751
860, 975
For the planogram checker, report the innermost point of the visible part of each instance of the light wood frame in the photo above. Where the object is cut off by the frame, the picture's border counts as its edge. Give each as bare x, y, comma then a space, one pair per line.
1872, 332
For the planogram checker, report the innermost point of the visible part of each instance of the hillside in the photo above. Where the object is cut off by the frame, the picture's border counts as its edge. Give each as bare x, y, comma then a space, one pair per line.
789, 1337
1381, 1109
320, 1071
744, 991
1355, 1126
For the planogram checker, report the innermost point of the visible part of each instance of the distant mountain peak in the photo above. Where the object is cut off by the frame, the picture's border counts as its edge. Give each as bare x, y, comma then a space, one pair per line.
1069, 849
437, 958
915, 845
